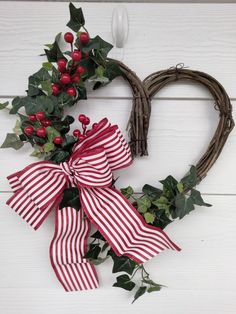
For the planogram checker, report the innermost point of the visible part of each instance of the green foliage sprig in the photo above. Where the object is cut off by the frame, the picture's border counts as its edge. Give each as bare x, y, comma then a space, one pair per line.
159, 207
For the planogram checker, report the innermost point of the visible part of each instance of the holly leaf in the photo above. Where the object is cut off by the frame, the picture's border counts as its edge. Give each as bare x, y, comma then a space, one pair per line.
70, 198
124, 282
127, 192
76, 18
183, 206
143, 204
152, 192
149, 218
122, 263
13, 141
139, 293
4, 105
197, 198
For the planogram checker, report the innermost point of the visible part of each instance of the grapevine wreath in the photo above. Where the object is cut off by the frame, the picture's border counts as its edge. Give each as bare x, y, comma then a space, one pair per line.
74, 176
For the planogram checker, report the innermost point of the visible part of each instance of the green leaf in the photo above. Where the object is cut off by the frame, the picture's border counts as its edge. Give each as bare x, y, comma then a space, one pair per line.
197, 198
162, 203
162, 219
103, 48
33, 89
17, 103
17, 128
139, 293
151, 191
99, 71
13, 141
180, 187
170, 185
54, 53
112, 70
40, 103
191, 179
143, 204
93, 44
71, 198
51, 133
98, 261
37, 151
127, 192
122, 263
48, 147
47, 86
58, 156
65, 100
4, 105
183, 206
76, 18
47, 66
94, 251
124, 282
42, 75
98, 235
154, 288
149, 218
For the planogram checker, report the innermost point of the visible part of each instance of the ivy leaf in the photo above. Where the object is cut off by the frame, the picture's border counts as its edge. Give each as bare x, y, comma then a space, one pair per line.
124, 282
97, 235
139, 293
154, 288
162, 219
170, 185
143, 204
183, 206
4, 105
42, 75
127, 192
40, 103
112, 70
58, 156
48, 147
197, 198
94, 251
33, 89
17, 103
71, 198
152, 192
122, 263
180, 187
13, 141
65, 100
149, 218
93, 44
191, 179
54, 52
103, 47
17, 128
76, 18
47, 86
47, 66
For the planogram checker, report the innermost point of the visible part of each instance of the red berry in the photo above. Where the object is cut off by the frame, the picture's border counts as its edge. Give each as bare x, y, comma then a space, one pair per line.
29, 130
76, 133
82, 118
80, 70
55, 89
46, 122
71, 91
84, 38
86, 121
69, 37
75, 78
76, 55
94, 126
57, 140
65, 79
62, 63
40, 115
41, 132
32, 117
82, 137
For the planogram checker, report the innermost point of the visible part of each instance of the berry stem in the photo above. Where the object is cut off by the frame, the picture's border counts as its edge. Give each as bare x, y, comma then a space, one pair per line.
84, 128
71, 47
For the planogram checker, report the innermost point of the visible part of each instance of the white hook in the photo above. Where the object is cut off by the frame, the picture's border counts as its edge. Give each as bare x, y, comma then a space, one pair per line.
120, 26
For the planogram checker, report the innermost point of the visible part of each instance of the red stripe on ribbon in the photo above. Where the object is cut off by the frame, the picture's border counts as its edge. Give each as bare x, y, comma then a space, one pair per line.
39, 187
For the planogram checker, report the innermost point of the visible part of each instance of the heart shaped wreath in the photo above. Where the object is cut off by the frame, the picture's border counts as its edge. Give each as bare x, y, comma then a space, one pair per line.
75, 176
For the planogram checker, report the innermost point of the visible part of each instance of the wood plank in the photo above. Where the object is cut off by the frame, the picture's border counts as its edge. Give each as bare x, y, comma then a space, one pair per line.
208, 242
179, 134
160, 37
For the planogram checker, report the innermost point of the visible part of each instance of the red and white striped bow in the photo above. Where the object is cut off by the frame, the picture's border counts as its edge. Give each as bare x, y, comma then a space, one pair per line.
39, 187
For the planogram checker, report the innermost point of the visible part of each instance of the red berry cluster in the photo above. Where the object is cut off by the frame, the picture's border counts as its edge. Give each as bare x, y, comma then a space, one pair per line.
85, 121
40, 131
70, 72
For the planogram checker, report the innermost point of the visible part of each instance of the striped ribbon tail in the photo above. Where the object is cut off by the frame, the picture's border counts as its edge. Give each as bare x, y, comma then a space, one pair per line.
68, 248
122, 226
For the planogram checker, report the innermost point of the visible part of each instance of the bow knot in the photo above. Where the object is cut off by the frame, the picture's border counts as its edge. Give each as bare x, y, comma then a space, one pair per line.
67, 169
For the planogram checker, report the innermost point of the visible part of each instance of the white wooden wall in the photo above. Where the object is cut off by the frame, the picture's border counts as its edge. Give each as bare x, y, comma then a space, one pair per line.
200, 279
